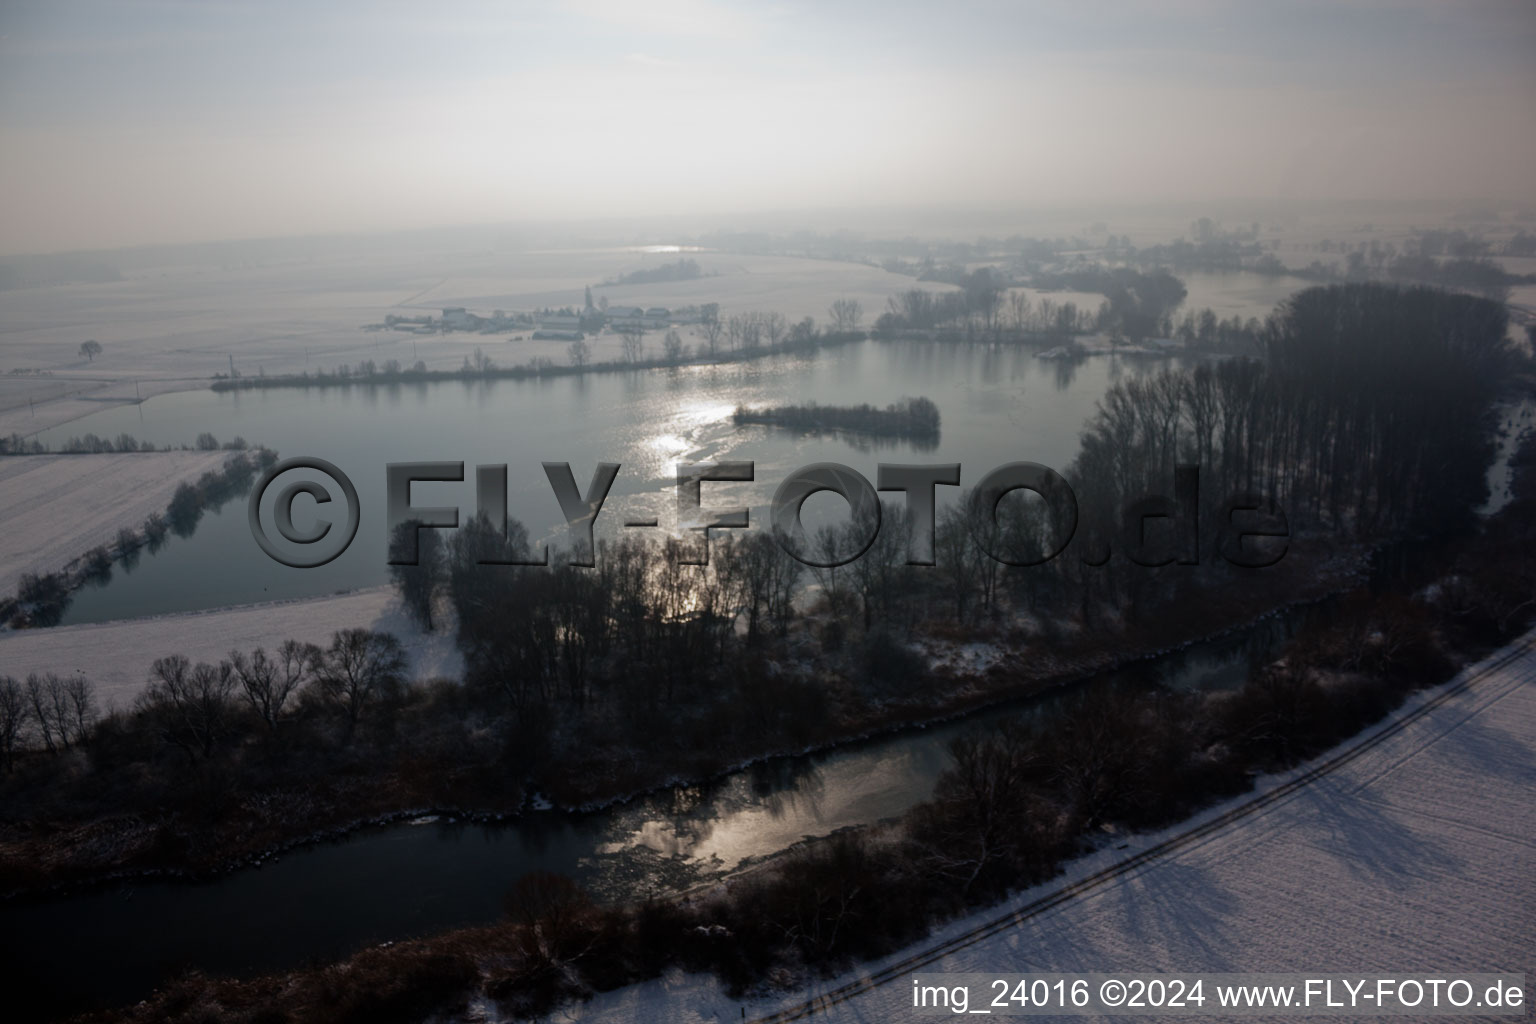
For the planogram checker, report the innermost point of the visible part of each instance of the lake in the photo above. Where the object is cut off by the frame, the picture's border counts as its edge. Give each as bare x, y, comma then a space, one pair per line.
997, 405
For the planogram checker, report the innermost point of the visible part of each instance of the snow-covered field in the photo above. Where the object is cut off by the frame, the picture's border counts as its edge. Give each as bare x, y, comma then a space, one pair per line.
301, 306
57, 507
1418, 855
116, 656
174, 327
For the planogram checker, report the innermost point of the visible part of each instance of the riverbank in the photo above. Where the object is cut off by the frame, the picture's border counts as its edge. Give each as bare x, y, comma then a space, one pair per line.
1015, 668
44, 856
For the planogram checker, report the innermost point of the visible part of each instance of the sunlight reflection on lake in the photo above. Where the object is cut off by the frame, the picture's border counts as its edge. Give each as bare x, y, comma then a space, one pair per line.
996, 406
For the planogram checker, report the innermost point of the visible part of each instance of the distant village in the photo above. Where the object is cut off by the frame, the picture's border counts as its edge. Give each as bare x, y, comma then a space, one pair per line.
564, 324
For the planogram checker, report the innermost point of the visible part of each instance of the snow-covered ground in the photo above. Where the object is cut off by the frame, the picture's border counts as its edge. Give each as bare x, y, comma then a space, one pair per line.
972, 658
116, 656
57, 507
1516, 423
1417, 855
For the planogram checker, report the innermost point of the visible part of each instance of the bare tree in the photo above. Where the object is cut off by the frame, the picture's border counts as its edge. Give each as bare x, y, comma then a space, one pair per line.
981, 816
267, 683
633, 344
984, 295
580, 353
13, 717
775, 326
360, 668
827, 889
880, 574
192, 702
846, 314
828, 545
49, 703
956, 552
420, 580
736, 330
1095, 752
1019, 307
37, 703
713, 332
90, 349
782, 580
550, 911
751, 558
672, 346
79, 708
803, 333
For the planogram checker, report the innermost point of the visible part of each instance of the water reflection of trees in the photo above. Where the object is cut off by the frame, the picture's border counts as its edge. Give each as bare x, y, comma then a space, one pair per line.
1065, 372
788, 784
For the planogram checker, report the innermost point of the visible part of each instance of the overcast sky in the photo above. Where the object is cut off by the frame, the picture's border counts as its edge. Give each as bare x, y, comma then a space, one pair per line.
124, 122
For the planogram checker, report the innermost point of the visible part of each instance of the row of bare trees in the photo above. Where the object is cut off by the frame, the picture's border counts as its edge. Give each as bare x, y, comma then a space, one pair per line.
538, 634
194, 706
1370, 418
55, 711
989, 311
1370, 415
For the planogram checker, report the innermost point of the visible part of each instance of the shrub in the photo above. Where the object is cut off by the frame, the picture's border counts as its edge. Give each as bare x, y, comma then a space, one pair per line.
387, 986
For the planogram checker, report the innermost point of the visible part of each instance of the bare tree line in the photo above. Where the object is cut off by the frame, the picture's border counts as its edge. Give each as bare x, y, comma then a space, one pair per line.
194, 707
42, 598
55, 711
1368, 420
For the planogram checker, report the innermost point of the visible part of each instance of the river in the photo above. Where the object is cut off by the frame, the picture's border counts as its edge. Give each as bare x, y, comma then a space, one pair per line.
109, 945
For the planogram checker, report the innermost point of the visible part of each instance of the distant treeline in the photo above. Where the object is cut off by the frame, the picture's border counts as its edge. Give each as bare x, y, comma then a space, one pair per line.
1443, 259
801, 337
1369, 418
682, 270
1138, 304
60, 268
1478, 276
909, 256
909, 417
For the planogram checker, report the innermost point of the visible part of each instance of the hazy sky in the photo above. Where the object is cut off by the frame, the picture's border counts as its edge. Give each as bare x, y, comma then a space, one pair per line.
124, 122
